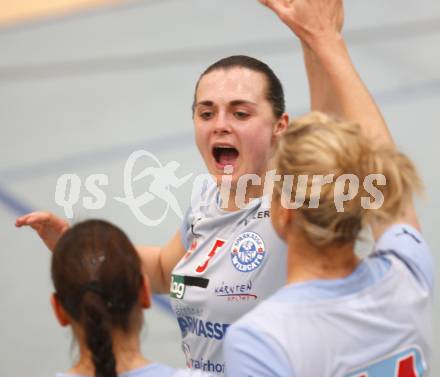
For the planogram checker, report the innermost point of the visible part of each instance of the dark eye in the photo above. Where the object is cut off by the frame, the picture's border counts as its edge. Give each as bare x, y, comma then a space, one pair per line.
206, 115
241, 115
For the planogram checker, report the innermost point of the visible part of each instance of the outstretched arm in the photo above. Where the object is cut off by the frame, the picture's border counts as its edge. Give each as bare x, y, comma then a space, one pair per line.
48, 226
157, 262
345, 94
321, 96
335, 85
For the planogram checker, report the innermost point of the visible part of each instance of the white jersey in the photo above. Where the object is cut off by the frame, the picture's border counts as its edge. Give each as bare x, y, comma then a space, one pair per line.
374, 323
234, 261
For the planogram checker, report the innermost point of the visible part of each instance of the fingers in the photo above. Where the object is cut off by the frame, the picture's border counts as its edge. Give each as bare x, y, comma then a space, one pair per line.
275, 5
32, 219
282, 8
23, 220
264, 2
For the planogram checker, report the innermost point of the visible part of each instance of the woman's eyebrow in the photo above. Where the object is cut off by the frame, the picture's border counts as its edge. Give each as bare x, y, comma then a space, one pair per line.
205, 103
235, 102
242, 102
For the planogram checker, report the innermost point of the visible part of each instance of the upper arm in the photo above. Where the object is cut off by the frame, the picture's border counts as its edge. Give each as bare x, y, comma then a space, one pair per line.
170, 255
251, 353
158, 262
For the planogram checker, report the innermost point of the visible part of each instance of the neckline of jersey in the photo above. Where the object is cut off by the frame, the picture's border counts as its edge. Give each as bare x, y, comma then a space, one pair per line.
254, 203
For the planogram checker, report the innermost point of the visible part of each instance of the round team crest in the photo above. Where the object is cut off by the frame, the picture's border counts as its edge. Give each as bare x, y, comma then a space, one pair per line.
247, 252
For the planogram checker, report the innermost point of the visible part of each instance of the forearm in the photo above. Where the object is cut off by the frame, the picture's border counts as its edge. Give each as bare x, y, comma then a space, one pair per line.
356, 104
350, 97
335, 86
321, 96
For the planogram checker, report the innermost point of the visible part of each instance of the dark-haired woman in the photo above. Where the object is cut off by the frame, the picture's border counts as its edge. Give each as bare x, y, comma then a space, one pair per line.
100, 292
225, 259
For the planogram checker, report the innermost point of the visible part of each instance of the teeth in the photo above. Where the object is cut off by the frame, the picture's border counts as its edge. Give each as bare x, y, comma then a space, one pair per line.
229, 154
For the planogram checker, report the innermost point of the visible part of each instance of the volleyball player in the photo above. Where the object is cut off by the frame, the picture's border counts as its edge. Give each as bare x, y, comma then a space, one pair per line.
340, 315
100, 292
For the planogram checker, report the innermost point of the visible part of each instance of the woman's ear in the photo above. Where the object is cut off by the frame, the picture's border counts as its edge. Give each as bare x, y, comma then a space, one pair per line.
60, 314
287, 216
281, 217
281, 125
145, 293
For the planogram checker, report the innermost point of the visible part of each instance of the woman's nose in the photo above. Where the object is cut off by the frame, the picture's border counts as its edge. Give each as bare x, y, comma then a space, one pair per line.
222, 124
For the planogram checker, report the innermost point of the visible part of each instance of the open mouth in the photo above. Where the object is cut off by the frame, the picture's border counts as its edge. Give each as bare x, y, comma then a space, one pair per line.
225, 155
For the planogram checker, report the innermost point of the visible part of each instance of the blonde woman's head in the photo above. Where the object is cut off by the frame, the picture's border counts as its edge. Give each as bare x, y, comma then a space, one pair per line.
337, 180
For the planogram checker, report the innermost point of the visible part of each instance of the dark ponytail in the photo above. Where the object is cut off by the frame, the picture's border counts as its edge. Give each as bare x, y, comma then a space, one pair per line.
97, 276
97, 325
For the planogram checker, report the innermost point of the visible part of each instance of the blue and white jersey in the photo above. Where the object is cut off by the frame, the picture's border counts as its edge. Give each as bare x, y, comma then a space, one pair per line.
234, 261
374, 323
152, 370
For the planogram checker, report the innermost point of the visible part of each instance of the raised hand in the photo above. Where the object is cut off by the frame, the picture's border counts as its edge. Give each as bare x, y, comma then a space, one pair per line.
49, 227
313, 21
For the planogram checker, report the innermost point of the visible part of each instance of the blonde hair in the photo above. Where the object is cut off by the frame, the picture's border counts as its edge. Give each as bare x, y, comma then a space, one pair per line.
318, 144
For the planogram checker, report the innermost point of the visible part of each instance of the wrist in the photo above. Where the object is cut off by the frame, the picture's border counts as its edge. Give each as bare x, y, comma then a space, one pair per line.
325, 44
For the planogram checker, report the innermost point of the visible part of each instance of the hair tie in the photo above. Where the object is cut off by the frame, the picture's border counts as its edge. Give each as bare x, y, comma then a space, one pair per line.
95, 287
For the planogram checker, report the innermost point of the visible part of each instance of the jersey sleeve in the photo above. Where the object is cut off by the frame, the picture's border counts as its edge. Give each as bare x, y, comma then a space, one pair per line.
408, 244
250, 353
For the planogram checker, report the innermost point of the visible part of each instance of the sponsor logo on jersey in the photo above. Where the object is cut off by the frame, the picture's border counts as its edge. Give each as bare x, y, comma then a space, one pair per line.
258, 216
198, 327
179, 284
177, 289
235, 292
262, 215
247, 252
182, 311
208, 366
